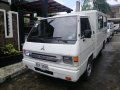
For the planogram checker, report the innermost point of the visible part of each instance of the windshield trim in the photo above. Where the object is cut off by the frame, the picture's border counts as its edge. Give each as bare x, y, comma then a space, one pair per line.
65, 39
54, 17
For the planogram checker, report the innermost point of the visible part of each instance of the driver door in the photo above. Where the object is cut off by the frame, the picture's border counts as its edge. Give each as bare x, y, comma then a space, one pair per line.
86, 39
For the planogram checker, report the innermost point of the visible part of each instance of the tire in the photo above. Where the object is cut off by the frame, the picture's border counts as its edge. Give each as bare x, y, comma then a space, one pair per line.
103, 45
108, 39
87, 74
113, 34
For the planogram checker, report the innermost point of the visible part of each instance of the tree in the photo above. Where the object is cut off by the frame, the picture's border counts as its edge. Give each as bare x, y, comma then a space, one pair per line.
87, 5
100, 5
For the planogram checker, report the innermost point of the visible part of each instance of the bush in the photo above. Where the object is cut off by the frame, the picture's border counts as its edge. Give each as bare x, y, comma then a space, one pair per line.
8, 50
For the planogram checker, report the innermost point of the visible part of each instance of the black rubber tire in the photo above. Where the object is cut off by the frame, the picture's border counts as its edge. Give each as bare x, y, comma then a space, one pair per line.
87, 73
103, 45
108, 39
112, 34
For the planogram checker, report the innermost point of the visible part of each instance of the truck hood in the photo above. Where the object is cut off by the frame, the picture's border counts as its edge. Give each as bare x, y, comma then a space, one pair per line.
60, 49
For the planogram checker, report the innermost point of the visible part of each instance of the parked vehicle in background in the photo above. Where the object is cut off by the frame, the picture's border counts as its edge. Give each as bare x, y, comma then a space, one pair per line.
116, 28
116, 24
110, 30
65, 46
117, 31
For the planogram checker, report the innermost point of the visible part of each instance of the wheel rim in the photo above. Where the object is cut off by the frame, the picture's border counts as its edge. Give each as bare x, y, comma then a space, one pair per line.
89, 69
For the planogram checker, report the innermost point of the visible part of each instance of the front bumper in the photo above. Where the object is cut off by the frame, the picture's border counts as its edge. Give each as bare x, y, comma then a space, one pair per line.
58, 72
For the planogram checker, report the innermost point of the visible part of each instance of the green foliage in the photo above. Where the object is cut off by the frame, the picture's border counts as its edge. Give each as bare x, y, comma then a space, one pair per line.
100, 5
8, 50
86, 5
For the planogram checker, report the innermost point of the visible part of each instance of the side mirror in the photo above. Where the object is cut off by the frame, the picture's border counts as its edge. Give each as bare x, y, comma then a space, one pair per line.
83, 37
88, 33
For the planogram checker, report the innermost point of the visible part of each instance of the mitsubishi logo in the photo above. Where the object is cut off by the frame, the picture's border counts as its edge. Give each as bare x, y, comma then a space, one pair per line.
43, 48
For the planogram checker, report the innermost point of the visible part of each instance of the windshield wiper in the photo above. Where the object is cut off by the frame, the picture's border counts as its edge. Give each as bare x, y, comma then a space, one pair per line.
65, 41
36, 39
56, 38
69, 40
39, 36
51, 21
52, 37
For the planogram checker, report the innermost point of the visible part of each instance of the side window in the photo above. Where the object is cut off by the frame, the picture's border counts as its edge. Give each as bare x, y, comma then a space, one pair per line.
85, 28
100, 22
105, 21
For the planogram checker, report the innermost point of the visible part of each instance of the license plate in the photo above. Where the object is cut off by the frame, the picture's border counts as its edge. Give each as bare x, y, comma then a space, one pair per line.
42, 66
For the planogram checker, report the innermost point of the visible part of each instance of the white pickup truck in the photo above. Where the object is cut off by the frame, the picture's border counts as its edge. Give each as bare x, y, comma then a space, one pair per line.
65, 46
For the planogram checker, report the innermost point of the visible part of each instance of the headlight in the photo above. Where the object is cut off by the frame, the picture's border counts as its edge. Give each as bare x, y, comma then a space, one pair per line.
71, 60
67, 60
27, 53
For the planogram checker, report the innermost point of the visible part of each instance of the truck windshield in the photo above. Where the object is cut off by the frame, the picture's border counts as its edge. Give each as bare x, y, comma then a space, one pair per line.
62, 30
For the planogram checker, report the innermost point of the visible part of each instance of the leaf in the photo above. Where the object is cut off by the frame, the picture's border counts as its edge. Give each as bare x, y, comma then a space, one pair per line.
100, 5
8, 50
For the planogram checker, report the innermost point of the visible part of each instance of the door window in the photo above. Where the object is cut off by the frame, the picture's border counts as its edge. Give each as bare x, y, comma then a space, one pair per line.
85, 28
100, 22
105, 21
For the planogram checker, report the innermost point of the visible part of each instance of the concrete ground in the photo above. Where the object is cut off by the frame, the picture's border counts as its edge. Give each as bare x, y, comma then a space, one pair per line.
11, 71
105, 76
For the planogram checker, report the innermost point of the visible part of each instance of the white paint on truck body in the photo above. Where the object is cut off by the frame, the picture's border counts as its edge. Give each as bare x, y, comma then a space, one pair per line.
60, 55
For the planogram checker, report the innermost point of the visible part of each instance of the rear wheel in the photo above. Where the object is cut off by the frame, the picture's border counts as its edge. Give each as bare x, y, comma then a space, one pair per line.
88, 71
108, 39
103, 47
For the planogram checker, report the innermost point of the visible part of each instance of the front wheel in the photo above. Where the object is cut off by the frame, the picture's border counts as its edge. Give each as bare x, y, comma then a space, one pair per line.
88, 71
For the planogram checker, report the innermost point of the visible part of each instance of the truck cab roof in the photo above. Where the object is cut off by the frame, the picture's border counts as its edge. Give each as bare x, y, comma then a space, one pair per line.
82, 13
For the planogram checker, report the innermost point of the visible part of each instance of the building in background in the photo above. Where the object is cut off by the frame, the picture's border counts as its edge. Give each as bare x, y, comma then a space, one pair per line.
115, 11
9, 27
18, 16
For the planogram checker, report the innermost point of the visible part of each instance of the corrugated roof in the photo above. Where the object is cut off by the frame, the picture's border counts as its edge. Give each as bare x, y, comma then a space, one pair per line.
53, 6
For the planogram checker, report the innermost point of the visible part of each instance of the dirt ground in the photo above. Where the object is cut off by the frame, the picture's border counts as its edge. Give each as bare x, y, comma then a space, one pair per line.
105, 76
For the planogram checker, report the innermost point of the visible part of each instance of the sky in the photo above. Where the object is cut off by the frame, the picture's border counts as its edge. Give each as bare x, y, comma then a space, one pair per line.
72, 3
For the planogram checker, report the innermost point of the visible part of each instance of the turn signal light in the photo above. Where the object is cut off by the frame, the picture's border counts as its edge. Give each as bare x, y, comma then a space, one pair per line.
68, 78
75, 59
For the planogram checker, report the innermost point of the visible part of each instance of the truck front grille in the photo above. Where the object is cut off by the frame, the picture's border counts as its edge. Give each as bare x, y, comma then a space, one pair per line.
44, 57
